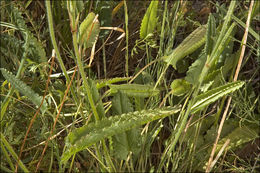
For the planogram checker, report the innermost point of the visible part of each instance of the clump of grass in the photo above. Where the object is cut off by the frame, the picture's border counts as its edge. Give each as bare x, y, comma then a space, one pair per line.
157, 104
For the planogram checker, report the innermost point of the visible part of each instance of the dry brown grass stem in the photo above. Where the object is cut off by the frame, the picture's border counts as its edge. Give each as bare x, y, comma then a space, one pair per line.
54, 124
209, 165
37, 112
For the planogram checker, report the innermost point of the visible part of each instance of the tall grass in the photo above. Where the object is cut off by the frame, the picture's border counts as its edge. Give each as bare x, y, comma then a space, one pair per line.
164, 117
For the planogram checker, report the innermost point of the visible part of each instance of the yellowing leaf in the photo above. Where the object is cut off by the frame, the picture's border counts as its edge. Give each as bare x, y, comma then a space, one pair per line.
89, 30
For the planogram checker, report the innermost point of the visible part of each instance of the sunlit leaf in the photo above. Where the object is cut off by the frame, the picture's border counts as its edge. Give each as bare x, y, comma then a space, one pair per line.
150, 20
180, 87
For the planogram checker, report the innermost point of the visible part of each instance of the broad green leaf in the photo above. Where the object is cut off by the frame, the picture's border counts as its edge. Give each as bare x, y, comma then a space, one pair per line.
238, 136
135, 90
129, 140
121, 104
24, 89
104, 10
88, 31
105, 82
88, 135
191, 43
150, 20
180, 87
212, 132
214, 94
229, 63
195, 70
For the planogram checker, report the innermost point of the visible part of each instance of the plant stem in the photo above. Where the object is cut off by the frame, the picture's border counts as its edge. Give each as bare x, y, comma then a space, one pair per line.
81, 68
54, 43
10, 149
127, 35
209, 166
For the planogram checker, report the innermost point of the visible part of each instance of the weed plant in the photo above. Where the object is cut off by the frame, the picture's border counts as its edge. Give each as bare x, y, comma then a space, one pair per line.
129, 86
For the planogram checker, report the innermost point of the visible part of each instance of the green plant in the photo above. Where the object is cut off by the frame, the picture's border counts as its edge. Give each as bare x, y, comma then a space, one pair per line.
160, 111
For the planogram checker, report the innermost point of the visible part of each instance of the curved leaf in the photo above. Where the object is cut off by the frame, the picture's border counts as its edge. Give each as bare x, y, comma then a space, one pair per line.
214, 94
211, 32
105, 82
87, 135
24, 89
189, 45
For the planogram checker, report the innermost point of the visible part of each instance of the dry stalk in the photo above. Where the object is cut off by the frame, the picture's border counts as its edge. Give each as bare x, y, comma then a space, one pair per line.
234, 79
54, 124
37, 112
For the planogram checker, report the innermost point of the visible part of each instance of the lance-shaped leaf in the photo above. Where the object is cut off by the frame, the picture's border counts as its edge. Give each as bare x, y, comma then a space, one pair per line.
150, 20
191, 43
88, 135
135, 90
211, 32
89, 30
214, 94
24, 89
105, 82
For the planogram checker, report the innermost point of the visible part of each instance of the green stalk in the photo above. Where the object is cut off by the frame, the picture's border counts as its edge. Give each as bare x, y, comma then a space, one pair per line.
10, 149
5, 169
54, 43
108, 158
8, 159
77, 50
162, 31
87, 88
81, 69
225, 33
180, 129
127, 35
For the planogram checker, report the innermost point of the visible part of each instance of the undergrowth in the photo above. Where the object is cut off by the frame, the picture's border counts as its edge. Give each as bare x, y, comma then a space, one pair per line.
129, 86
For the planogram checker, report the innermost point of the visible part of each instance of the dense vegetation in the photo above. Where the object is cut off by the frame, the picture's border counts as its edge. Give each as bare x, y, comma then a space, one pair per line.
130, 86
